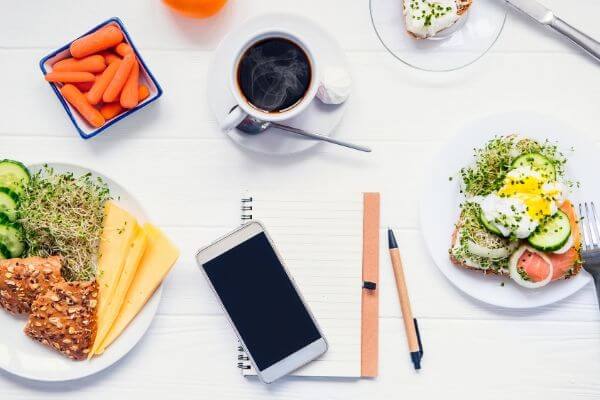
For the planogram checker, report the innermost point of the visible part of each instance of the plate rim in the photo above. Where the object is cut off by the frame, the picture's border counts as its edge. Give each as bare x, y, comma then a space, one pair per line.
154, 299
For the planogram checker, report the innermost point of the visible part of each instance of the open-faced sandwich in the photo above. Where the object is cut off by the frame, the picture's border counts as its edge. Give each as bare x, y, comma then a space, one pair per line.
516, 218
427, 18
71, 259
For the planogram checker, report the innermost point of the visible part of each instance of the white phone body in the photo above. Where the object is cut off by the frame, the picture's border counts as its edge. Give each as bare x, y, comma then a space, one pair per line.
294, 360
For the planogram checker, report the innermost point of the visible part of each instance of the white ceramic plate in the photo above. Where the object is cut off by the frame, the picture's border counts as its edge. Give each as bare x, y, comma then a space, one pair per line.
441, 199
29, 359
318, 117
462, 44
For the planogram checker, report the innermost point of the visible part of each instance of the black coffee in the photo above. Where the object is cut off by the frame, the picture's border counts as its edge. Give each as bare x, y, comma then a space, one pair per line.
274, 74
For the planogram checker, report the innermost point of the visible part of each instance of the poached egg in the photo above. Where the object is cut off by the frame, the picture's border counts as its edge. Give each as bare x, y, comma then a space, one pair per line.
426, 18
525, 199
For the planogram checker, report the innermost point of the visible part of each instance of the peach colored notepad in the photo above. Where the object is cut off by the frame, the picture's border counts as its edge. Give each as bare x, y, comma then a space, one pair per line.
370, 298
330, 244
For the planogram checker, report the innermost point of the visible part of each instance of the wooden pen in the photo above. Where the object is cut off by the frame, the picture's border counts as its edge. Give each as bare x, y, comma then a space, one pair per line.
410, 324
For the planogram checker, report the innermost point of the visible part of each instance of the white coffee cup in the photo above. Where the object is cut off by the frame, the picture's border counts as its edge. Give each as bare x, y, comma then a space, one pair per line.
243, 108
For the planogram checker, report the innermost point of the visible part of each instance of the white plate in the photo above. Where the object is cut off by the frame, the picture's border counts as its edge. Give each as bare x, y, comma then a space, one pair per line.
29, 359
318, 117
462, 44
441, 199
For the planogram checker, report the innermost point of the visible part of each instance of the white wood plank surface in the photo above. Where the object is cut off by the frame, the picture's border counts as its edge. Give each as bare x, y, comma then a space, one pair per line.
188, 176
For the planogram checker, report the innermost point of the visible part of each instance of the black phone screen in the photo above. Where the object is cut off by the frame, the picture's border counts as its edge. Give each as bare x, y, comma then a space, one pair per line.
261, 300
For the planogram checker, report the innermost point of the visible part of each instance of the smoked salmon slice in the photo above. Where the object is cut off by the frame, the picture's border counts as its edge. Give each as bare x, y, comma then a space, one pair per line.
536, 267
567, 208
562, 263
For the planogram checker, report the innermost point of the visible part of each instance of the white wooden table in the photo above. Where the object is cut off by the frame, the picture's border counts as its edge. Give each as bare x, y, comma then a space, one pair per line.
189, 175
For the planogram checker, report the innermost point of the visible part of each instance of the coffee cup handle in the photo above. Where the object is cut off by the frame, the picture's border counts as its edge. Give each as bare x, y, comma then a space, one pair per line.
233, 119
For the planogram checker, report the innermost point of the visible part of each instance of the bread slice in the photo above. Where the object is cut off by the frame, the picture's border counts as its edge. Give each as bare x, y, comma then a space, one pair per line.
64, 318
463, 6
463, 264
22, 280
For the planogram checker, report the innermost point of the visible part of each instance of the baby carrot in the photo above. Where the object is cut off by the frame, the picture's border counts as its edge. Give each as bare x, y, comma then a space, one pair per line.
110, 57
78, 100
93, 63
70, 77
111, 110
123, 49
83, 86
130, 92
116, 85
144, 92
103, 38
95, 94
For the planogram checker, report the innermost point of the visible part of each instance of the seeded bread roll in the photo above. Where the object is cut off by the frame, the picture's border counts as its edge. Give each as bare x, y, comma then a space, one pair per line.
22, 280
64, 318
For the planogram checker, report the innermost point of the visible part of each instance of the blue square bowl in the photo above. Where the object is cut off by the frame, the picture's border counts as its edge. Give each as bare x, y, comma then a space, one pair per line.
85, 130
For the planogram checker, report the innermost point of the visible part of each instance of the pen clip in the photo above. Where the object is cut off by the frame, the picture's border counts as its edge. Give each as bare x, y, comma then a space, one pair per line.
418, 337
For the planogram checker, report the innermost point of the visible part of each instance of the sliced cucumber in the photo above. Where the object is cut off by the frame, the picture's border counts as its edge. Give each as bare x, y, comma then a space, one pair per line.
11, 236
553, 234
488, 225
537, 162
4, 253
14, 175
8, 203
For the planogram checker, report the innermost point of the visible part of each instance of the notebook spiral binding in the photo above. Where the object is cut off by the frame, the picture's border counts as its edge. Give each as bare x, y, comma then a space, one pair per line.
242, 359
246, 215
246, 209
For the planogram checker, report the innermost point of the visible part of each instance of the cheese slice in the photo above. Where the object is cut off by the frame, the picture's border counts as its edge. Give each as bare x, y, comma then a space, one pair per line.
157, 261
132, 261
118, 231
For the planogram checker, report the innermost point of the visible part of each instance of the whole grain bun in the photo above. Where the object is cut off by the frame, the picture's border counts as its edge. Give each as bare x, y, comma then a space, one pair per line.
64, 318
22, 280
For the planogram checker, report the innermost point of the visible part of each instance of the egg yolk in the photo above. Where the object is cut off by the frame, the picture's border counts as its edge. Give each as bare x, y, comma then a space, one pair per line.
530, 190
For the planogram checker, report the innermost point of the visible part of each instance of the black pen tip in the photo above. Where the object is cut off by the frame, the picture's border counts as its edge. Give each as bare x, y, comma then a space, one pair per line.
416, 359
392, 239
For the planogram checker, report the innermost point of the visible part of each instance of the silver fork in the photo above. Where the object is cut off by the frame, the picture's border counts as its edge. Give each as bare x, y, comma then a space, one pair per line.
591, 242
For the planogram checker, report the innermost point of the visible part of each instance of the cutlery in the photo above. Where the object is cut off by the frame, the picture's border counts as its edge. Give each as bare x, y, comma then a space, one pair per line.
546, 17
254, 126
591, 242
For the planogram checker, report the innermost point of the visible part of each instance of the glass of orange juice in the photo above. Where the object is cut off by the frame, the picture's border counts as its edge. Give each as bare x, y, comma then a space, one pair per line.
196, 8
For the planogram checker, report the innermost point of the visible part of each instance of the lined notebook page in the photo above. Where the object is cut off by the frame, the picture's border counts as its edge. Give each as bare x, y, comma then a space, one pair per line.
320, 239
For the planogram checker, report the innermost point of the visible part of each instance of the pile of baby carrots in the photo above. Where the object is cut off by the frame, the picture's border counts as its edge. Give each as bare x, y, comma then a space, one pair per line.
101, 79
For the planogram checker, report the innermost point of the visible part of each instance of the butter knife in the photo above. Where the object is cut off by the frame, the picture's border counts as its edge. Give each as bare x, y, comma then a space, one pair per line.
546, 17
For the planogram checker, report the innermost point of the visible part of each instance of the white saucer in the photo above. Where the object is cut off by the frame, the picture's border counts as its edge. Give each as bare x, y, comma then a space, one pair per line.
318, 117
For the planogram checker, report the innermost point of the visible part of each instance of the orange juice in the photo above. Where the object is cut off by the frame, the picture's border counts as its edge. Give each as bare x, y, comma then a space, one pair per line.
196, 8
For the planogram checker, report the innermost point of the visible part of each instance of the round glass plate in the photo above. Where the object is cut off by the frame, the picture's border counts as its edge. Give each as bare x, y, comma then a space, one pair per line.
456, 47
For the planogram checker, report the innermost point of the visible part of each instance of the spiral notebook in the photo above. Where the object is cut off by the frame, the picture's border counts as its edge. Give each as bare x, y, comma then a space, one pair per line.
323, 240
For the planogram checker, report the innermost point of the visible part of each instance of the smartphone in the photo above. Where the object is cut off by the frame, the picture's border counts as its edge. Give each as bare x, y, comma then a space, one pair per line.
261, 301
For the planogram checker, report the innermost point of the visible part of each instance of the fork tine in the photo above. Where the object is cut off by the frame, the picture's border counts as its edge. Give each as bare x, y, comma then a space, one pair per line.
594, 223
584, 227
593, 239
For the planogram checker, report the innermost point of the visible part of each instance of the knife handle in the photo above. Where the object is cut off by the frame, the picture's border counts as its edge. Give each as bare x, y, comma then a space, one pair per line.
579, 38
